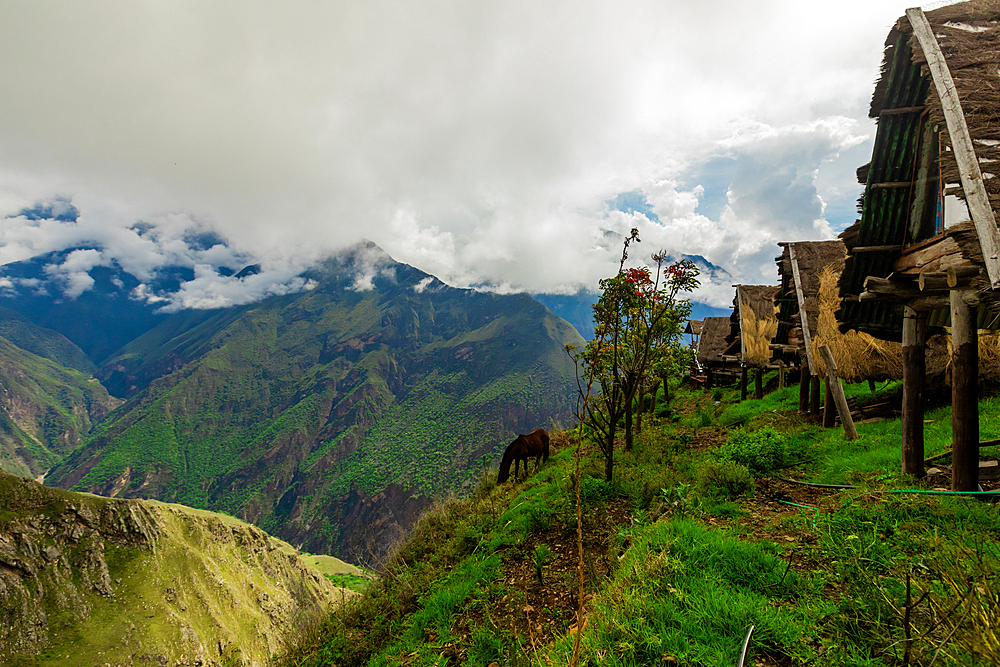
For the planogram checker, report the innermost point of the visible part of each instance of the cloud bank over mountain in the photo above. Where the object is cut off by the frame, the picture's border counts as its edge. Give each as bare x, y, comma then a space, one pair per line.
488, 144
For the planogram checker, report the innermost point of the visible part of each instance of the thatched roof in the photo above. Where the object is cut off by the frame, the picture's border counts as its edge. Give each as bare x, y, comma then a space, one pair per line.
968, 34
812, 257
713, 339
752, 324
693, 327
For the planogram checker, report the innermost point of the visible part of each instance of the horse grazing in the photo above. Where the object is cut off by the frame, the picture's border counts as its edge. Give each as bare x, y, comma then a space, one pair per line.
534, 444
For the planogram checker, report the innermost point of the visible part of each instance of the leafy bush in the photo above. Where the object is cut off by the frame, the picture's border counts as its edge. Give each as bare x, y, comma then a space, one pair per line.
724, 479
593, 488
761, 451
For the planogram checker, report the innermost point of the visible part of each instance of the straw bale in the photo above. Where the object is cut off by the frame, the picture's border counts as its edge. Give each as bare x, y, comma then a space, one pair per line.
756, 323
859, 356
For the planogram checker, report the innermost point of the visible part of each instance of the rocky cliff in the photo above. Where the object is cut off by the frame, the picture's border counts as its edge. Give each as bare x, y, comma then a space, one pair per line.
87, 580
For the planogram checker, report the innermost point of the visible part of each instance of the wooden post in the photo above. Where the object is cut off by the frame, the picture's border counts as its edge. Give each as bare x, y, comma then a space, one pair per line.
743, 384
838, 394
708, 377
758, 384
803, 389
914, 377
814, 395
829, 411
781, 374
964, 399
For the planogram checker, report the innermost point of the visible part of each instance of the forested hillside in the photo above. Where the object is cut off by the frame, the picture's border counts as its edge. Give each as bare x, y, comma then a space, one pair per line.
330, 417
46, 409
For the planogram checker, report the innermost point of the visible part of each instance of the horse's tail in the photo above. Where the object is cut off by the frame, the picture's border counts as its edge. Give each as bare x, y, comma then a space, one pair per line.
505, 462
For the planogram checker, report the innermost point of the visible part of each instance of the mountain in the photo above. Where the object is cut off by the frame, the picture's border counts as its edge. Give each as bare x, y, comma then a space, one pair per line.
89, 581
45, 409
31, 290
330, 417
46, 343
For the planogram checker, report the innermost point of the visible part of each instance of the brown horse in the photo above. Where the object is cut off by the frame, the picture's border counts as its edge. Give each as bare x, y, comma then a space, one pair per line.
534, 444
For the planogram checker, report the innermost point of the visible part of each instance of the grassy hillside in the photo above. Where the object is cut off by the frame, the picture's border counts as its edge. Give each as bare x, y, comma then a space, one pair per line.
45, 410
699, 537
43, 342
86, 580
324, 414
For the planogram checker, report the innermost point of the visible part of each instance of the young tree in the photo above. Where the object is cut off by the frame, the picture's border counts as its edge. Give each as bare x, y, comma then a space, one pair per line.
636, 321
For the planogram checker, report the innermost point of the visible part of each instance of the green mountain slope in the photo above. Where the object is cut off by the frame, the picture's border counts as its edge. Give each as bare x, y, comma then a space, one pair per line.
331, 417
89, 581
45, 410
46, 343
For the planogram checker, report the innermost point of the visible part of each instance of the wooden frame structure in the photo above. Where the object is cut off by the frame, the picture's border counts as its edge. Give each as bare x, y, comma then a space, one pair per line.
719, 368
909, 270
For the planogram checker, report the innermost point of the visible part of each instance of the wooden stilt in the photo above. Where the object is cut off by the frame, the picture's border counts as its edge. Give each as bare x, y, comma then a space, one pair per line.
914, 378
964, 399
758, 384
803, 389
829, 409
814, 395
838, 393
708, 378
743, 384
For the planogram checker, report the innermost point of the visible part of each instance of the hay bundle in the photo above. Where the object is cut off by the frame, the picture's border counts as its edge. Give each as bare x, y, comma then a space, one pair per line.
858, 355
757, 334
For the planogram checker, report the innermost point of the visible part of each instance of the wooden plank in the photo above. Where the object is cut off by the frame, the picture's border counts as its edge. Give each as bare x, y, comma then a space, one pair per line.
891, 184
839, 399
803, 317
924, 256
961, 144
902, 110
876, 248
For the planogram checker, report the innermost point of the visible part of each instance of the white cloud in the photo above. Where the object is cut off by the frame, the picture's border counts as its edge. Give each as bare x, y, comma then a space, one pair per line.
476, 141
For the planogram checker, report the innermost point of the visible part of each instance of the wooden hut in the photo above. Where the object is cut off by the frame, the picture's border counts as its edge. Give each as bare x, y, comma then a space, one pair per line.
926, 252
751, 328
718, 368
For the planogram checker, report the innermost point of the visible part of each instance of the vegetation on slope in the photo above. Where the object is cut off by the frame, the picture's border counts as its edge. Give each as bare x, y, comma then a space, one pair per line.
45, 410
697, 538
298, 411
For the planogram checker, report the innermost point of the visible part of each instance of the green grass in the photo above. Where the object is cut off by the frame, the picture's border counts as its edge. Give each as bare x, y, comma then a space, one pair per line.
823, 585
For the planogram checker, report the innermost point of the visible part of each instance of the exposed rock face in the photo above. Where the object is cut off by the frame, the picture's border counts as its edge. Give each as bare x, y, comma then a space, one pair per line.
89, 580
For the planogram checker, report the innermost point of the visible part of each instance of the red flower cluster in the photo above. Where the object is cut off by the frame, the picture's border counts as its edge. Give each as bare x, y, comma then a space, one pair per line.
638, 276
676, 271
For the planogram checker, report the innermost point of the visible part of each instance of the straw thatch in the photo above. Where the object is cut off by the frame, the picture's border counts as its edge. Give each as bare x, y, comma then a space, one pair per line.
713, 339
753, 323
859, 356
693, 327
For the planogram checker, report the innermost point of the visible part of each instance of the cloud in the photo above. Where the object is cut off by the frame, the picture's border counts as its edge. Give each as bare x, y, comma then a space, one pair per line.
480, 142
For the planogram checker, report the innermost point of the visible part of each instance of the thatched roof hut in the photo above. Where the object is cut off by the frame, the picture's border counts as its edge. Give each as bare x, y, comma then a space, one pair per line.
752, 324
811, 258
713, 340
932, 190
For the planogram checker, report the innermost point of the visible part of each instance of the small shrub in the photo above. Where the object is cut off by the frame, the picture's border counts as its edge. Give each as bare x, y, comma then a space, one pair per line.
540, 558
593, 489
717, 395
760, 451
721, 478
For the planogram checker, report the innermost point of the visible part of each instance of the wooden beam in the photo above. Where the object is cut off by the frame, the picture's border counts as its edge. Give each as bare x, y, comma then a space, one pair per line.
901, 110
933, 282
876, 248
964, 396
961, 144
803, 317
838, 394
891, 184
814, 390
936, 256
914, 381
803, 389
961, 275
895, 289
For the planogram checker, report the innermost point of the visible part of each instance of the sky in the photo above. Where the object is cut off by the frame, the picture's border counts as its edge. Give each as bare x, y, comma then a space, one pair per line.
501, 145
